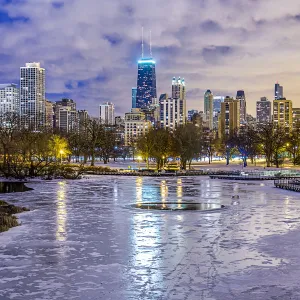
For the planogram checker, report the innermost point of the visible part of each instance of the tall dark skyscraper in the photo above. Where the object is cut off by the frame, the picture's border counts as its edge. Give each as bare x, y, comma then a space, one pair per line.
263, 111
278, 91
146, 83
240, 95
133, 96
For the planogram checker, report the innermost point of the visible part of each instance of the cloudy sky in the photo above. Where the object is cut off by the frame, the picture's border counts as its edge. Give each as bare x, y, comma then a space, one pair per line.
90, 48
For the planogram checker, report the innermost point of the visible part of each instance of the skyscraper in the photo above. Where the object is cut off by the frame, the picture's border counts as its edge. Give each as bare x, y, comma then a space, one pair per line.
229, 117
208, 108
66, 115
146, 83
107, 113
296, 117
9, 98
172, 113
263, 111
83, 118
133, 97
32, 96
191, 113
216, 110
278, 91
178, 88
136, 125
240, 95
49, 113
179, 92
283, 114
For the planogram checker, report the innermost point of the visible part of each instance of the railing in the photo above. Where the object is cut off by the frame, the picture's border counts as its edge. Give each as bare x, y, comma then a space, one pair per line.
291, 184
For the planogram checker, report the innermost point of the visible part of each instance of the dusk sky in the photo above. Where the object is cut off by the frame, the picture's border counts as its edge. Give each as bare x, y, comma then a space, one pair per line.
90, 48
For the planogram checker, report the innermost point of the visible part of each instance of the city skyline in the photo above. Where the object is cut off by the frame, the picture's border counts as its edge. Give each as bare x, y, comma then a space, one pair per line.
101, 66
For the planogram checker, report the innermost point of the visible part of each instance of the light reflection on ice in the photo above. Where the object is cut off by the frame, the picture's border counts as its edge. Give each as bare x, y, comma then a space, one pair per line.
61, 213
163, 191
78, 243
139, 190
179, 192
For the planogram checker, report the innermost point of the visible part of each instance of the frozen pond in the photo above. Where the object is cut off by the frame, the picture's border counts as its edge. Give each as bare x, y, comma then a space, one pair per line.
82, 241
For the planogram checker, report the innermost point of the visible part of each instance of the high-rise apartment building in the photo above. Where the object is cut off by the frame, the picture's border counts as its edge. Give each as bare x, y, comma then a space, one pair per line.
283, 114
32, 96
296, 117
178, 88
179, 92
136, 125
172, 113
263, 111
9, 99
229, 119
163, 97
251, 121
67, 119
191, 113
119, 121
208, 108
278, 91
240, 95
107, 113
66, 115
83, 118
146, 83
216, 110
133, 97
49, 114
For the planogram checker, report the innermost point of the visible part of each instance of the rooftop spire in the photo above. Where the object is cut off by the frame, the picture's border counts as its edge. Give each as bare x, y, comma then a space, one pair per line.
142, 42
150, 44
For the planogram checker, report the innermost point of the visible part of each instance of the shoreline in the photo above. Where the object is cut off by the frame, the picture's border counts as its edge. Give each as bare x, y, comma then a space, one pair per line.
8, 218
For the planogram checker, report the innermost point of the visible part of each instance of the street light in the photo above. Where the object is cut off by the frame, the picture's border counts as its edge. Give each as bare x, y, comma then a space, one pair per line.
61, 154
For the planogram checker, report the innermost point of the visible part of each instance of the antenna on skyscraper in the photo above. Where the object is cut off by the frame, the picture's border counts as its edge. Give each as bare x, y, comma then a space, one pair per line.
142, 42
150, 45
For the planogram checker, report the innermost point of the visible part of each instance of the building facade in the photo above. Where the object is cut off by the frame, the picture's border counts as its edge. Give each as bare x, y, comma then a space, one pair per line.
178, 88
216, 110
136, 125
229, 119
49, 114
146, 83
278, 91
107, 113
9, 99
32, 96
191, 113
240, 95
66, 115
67, 120
83, 118
283, 114
133, 97
208, 108
296, 117
263, 111
172, 113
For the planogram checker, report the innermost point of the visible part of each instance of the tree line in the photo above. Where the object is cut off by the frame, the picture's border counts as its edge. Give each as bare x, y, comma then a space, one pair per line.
190, 142
24, 152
